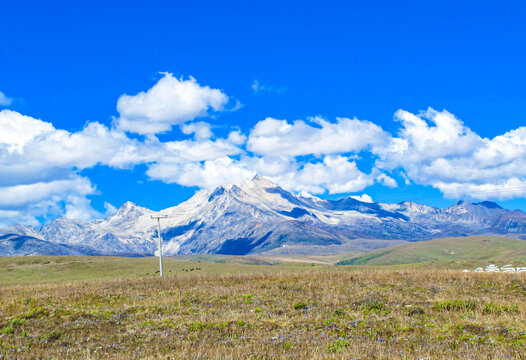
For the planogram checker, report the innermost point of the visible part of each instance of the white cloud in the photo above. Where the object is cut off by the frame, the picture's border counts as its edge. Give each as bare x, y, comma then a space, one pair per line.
79, 208
207, 174
4, 100
34, 151
279, 137
237, 137
170, 102
200, 129
386, 180
13, 196
271, 165
436, 148
363, 198
17, 130
25, 203
195, 151
110, 209
427, 136
505, 189
256, 86
335, 174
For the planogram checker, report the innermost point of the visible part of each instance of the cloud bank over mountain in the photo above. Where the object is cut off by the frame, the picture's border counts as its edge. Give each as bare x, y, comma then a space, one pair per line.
41, 165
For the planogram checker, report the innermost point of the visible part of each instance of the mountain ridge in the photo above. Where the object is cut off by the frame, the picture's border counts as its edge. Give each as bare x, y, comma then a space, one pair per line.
256, 216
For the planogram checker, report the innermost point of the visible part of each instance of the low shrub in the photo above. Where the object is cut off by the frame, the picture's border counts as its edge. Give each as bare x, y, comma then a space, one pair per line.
300, 306
454, 305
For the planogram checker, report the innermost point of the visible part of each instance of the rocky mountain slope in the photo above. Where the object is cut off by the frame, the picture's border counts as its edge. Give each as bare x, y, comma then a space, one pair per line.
21, 245
257, 216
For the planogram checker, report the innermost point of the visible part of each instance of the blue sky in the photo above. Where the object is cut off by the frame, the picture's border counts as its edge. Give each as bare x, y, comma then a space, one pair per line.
69, 63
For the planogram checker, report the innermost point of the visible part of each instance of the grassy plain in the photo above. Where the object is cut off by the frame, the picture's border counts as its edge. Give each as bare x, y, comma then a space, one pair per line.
226, 310
31, 269
466, 251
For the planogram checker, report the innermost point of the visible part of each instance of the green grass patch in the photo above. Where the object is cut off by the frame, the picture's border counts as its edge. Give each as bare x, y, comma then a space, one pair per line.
454, 305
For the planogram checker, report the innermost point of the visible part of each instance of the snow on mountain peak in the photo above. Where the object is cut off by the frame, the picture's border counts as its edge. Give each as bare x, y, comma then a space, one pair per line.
128, 205
128, 211
257, 181
262, 181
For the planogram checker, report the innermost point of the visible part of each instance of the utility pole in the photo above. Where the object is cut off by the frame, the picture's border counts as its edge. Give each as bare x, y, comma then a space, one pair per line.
159, 217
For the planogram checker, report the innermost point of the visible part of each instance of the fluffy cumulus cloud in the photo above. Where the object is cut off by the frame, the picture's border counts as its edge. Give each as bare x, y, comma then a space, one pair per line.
25, 194
427, 136
34, 151
317, 137
363, 198
41, 165
436, 148
46, 199
170, 102
201, 130
4, 100
206, 174
18, 130
335, 174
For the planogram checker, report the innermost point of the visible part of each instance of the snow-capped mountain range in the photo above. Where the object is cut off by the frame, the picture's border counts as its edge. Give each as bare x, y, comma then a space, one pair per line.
257, 216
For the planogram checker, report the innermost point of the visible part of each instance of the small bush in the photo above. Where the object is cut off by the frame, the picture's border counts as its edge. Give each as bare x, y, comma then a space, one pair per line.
374, 306
300, 306
17, 321
339, 312
8, 330
338, 346
491, 308
35, 312
54, 335
413, 310
454, 305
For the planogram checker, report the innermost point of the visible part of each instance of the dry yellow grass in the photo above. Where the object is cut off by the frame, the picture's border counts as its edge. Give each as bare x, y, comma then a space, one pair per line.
335, 314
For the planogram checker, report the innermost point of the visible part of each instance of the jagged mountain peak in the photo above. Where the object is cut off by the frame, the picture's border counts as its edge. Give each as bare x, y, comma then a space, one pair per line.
486, 204
415, 207
257, 190
66, 221
489, 204
128, 208
468, 204
129, 211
